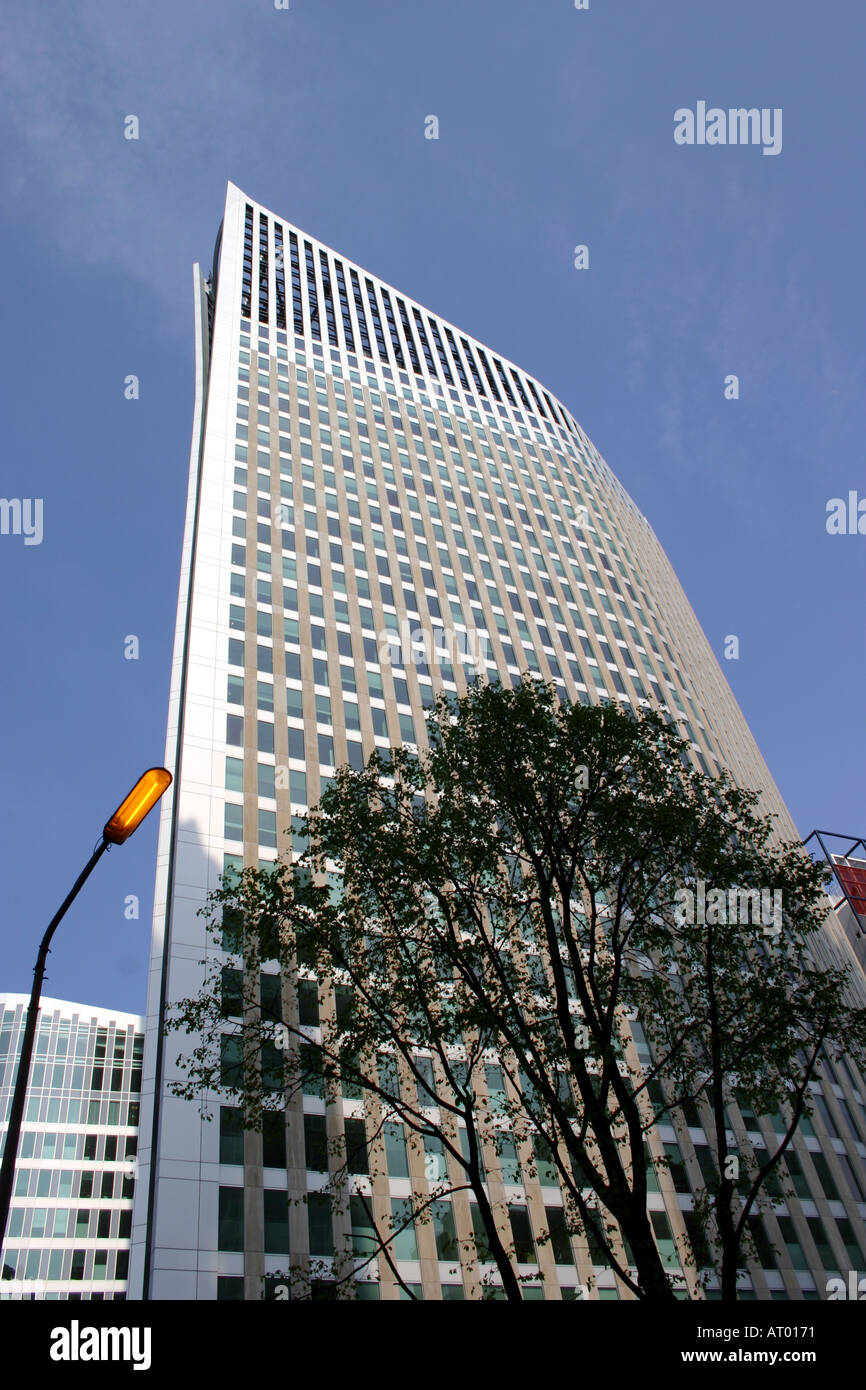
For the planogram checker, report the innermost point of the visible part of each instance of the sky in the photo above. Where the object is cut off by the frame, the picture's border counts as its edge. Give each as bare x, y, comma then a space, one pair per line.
556, 130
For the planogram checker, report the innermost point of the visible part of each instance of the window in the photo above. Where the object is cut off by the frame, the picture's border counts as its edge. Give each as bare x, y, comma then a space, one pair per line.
364, 1240
311, 1063
273, 1061
426, 1083
676, 1168
230, 1287
267, 830
664, 1239
276, 1217
789, 1236
560, 1242
798, 1177
824, 1111
479, 1231
758, 1232
231, 1135
231, 984
270, 987
356, 1147
435, 1162
234, 822
849, 1240
544, 1161
822, 1242
231, 1062
443, 1231
234, 774
508, 1160
316, 1143
308, 1003
231, 1219
822, 1168
521, 1235
698, 1240
319, 1225
395, 1151
404, 1246
273, 1139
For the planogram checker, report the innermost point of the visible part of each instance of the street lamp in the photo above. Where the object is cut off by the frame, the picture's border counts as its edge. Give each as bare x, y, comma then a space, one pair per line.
128, 816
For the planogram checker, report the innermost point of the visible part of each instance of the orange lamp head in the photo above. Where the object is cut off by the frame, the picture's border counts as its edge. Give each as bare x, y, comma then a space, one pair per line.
132, 811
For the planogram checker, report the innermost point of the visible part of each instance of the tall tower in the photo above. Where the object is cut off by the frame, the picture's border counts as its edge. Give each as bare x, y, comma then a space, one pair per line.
362, 470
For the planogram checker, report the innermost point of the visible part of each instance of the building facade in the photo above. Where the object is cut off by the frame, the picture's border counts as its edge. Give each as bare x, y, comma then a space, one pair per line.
379, 508
70, 1221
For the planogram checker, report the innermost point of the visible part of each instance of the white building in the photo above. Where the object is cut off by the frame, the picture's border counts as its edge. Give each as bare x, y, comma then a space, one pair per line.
70, 1220
359, 464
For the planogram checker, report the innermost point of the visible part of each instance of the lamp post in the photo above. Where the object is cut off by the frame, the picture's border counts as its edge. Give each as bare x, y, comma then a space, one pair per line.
128, 816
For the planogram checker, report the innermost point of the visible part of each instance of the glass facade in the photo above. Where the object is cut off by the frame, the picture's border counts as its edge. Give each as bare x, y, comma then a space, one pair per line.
381, 508
70, 1221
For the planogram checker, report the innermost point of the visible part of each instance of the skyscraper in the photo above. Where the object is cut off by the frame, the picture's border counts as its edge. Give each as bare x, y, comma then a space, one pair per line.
379, 507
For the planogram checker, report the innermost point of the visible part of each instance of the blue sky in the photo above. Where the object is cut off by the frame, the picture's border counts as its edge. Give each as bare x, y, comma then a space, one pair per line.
556, 129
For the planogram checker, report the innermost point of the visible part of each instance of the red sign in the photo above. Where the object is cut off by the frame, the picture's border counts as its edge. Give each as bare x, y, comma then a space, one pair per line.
853, 881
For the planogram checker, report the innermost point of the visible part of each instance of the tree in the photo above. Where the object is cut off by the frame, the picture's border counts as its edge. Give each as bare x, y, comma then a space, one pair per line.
522, 889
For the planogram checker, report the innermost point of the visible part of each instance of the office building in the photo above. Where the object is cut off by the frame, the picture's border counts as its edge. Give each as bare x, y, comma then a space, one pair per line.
70, 1221
361, 468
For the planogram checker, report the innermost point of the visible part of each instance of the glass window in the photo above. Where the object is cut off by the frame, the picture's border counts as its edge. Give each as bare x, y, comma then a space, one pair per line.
479, 1231
435, 1161
234, 822
231, 1061
395, 1151
822, 1168
560, 1242
822, 1242
231, 990
544, 1162
319, 1224
230, 1234
676, 1168
316, 1143
308, 1003
356, 1147
521, 1234
276, 1217
444, 1231
508, 1160
231, 1135
273, 1139
364, 1240
268, 829
426, 1083
405, 1243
